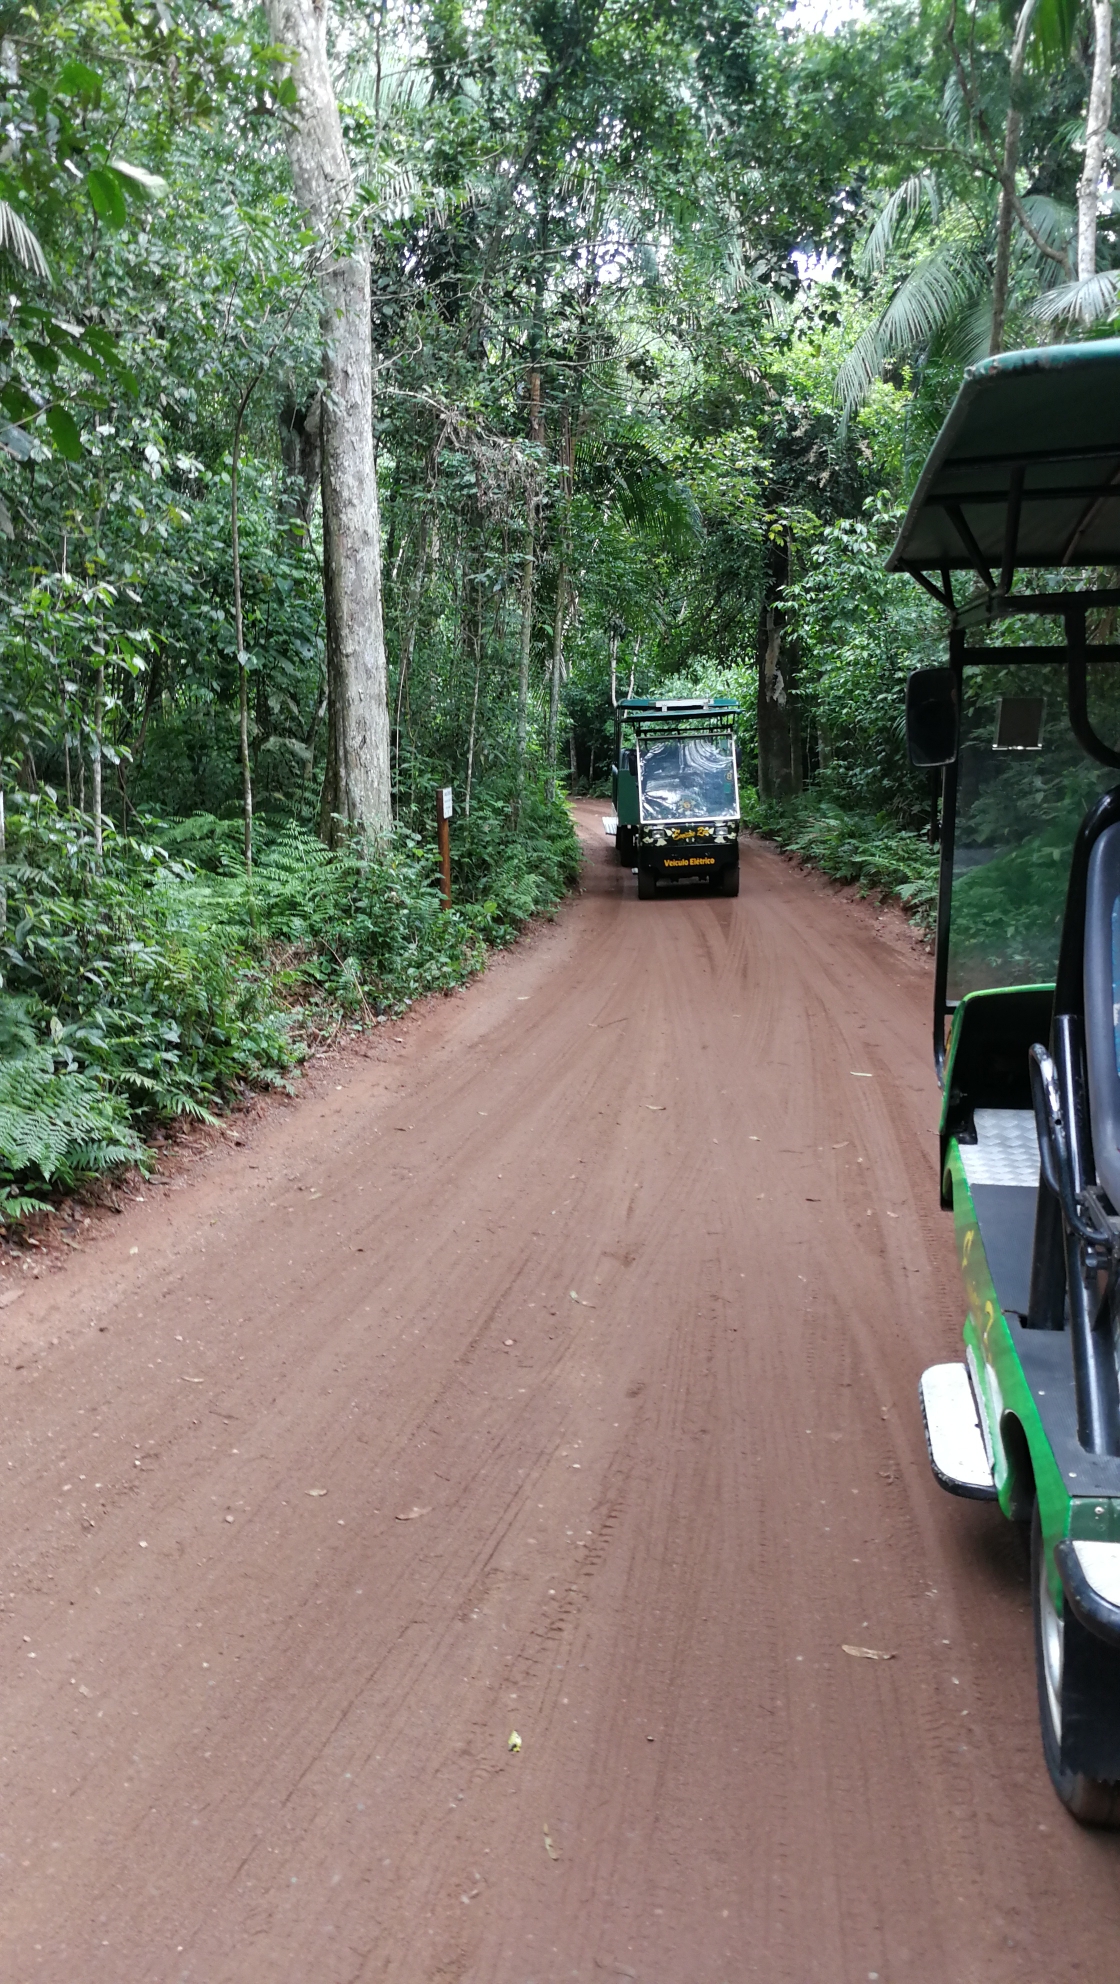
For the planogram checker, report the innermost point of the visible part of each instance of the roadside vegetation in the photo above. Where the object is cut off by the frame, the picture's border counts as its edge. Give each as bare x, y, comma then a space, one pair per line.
639, 324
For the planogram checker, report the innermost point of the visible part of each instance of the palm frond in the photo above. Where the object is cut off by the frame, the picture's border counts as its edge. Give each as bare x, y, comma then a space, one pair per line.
943, 288
1052, 31
402, 87
943, 285
968, 338
17, 238
394, 188
1051, 219
1084, 302
954, 106
898, 212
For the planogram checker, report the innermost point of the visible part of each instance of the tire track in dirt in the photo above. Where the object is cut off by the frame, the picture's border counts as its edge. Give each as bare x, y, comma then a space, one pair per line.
271, 1742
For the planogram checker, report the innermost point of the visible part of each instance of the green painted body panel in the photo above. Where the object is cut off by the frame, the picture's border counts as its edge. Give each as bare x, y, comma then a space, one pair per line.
1003, 1392
626, 797
969, 1004
998, 1375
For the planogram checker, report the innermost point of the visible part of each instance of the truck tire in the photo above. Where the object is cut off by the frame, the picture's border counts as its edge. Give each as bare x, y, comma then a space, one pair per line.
647, 885
624, 845
1088, 1799
728, 884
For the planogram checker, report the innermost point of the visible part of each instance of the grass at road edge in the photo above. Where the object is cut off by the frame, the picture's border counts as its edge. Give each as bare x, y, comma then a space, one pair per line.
160, 982
869, 850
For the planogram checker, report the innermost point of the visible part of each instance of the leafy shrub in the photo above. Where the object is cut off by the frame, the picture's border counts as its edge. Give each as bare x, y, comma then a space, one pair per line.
56, 1127
155, 982
853, 847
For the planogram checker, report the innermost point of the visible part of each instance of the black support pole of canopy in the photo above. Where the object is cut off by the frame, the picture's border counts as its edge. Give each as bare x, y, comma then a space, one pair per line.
1077, 693
945, 875
964, 531
1011, 527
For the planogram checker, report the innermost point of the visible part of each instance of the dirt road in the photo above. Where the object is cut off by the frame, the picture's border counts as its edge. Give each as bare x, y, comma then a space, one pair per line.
554, 1373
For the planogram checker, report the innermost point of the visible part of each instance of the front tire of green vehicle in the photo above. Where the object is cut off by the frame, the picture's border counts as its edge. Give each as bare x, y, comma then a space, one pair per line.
1087, 1799
728, 883
647, 886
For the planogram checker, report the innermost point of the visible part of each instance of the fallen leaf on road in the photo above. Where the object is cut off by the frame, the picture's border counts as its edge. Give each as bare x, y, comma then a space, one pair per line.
412, 1515
867, 1653
548, 1846
190, 1381
862, 1075
656, 1105
514, 1740
580, 1300
12, 1295
316, 1492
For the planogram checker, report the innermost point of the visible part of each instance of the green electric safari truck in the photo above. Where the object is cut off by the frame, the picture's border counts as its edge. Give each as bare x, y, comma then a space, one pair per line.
1021, 734
675, 788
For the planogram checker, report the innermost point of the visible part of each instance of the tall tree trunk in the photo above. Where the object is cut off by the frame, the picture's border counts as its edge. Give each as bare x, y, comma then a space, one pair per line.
1096, 131
3, 871
357, 787
408, 643
239, 638
95, 759
300, 451
527, 563
555, 676
779, 731
474, 707
527, 566
1010, 167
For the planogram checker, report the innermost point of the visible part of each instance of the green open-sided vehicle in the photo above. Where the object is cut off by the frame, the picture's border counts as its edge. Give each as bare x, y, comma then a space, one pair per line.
675, 788
1026, 473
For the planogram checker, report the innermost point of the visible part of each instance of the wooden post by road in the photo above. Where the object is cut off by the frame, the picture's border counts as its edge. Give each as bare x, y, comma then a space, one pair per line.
443, 831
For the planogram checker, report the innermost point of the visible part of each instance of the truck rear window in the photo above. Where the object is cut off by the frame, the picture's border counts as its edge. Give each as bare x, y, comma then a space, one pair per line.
688, 779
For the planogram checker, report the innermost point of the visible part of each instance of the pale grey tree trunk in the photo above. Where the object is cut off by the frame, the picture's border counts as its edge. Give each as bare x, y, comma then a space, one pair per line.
1096, 131
408, 639
95, 759
239, 638
556, 675
357, 788
527, 565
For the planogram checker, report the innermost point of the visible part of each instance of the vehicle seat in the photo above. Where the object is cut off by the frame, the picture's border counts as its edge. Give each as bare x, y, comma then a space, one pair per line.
1102, 1006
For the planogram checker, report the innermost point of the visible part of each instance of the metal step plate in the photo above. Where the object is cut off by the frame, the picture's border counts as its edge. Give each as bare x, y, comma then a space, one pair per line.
956, 1448
610, 824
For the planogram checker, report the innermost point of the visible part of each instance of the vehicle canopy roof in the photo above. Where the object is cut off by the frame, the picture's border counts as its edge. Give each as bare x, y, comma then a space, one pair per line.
1025, 470
673, 716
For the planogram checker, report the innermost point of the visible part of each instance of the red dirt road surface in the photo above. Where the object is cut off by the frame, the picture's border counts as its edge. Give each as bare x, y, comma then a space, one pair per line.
556, 1373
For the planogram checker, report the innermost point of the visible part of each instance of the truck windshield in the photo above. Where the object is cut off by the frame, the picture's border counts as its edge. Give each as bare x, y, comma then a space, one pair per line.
688, 778
1018, 811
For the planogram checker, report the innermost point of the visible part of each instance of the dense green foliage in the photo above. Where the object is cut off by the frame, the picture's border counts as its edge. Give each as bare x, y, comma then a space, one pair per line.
667, 303
160, 980
870, 850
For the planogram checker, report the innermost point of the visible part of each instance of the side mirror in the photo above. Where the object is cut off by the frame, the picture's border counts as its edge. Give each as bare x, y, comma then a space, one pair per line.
932, 717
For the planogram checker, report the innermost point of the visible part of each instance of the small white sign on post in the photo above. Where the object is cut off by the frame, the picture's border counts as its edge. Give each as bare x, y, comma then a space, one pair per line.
447, 802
